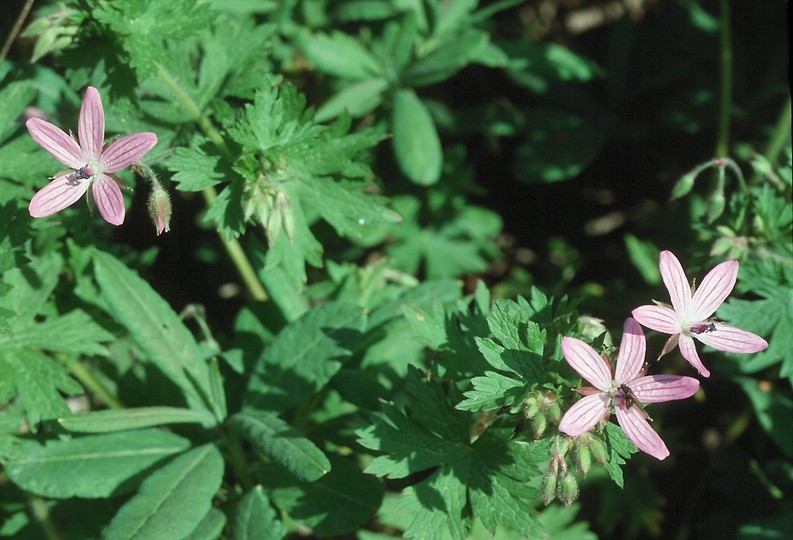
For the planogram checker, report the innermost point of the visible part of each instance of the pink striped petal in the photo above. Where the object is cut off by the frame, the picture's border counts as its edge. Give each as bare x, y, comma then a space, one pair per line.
62, 192
713, 290
631, 356
676, 281
658, 318
56, 142
108, 199
584, 414
689, 352
126, 151
586, 362
728, 338
658, 388
91, 125
640, 433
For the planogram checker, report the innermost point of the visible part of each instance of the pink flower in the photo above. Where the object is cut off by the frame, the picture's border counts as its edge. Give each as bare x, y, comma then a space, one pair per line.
90, 163
624, 392
690, 316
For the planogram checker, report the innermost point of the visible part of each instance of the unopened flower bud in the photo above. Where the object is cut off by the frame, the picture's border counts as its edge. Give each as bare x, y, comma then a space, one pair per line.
554, 410
160, 208
583, 458
567, 490
716, 204
598, 450
548, 487
538, 424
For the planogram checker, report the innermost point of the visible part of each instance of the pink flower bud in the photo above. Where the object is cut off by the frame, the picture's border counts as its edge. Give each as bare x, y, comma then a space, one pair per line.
160, 208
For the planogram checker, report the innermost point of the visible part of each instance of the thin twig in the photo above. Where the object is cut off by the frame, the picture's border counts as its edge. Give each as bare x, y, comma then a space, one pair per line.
15, 29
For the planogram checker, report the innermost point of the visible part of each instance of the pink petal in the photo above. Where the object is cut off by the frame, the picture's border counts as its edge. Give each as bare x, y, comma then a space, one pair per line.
56, 142
640, 433
126, 151
62, 192
108, 199
658, 388
91, 125
689, 352
713, 290
584, 414
676, 281
728, 338
631, 356
586, 362
658, 318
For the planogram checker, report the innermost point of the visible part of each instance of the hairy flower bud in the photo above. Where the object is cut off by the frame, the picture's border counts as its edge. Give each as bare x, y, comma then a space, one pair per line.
160, 208
538, 424
583, 458
598, 450
548, 487
567, 490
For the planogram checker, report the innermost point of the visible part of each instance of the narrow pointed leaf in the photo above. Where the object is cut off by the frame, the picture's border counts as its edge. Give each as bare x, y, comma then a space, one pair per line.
91, 466
304, 356
154, 326
172, 501
125, 419
282, 443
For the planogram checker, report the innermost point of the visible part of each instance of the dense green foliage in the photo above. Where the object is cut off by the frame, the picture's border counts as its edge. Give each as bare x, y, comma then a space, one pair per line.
386, 215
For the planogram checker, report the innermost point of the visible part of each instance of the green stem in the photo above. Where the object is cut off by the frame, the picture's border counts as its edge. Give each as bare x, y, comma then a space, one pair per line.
233, 247
82, 374
780, 135
42, 515
237, 459
725, 98
239, 258
12, 35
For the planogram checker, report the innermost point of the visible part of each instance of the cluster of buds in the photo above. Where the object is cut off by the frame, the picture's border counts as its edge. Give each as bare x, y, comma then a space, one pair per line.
272, 208
558, 483
585, 448
540, 407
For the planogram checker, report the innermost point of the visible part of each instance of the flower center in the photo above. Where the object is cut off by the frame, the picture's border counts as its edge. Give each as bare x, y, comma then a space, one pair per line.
84, 173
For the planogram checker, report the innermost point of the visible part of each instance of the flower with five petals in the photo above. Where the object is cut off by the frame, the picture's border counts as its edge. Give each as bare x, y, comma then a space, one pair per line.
691, 315
90, 163
624, 392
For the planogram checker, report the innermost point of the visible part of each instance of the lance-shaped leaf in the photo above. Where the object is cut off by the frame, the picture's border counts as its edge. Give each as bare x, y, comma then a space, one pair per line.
255, 519
282, 443
125, 419
304, 356
172, 501
416, 142
154, 326
91, 466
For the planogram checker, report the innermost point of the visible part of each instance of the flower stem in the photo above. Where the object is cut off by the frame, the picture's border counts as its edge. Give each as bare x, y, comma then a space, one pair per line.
92, 383
725, 94
237, 460
233, 247
12, 35
42, 515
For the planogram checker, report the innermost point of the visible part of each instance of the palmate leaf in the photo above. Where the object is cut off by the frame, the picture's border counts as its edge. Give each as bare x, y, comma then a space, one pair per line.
35, 380
173, 500
338, 503
493, 473
91, 466
304, 356
145, 25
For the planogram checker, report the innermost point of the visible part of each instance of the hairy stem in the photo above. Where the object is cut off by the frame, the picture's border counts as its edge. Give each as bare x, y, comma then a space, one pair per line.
233, 247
